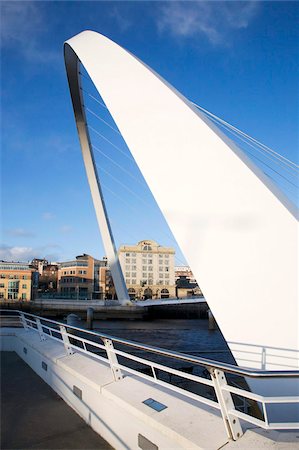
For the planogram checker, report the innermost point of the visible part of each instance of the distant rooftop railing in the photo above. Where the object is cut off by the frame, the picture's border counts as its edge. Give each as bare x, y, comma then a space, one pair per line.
217, 384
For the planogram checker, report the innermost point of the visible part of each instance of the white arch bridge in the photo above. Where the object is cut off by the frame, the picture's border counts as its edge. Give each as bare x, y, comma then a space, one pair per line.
235, 227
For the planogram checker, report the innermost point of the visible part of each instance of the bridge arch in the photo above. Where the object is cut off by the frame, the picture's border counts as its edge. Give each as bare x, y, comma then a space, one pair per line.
237, 231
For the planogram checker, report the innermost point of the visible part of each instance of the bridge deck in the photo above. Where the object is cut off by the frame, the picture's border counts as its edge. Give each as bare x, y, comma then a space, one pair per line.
34, 416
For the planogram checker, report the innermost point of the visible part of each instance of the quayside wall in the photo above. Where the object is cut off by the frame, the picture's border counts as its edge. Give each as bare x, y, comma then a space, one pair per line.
52, 308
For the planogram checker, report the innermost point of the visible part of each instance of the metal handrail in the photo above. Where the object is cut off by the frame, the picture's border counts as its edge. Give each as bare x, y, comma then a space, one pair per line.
223, 391
208, 363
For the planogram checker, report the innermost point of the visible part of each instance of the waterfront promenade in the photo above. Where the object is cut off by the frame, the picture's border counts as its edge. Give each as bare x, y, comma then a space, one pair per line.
130, 407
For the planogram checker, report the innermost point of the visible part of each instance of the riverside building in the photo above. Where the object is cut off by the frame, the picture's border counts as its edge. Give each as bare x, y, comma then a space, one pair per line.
18, 281
48, 272
148, 270
84, 278
186, 284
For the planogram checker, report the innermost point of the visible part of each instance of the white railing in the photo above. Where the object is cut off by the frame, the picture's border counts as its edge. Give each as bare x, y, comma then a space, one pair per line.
226, 392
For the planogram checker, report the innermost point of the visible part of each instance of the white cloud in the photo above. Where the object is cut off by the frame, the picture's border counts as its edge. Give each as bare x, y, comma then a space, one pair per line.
15, 253
23, 23
66, 229
120, 20
19, 232
48, 215
214, 20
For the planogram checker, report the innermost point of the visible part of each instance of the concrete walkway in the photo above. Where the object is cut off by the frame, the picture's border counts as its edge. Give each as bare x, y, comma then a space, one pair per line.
34, 416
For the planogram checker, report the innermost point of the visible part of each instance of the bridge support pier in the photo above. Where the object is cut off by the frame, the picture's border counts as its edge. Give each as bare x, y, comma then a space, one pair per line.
212, 321
89, 318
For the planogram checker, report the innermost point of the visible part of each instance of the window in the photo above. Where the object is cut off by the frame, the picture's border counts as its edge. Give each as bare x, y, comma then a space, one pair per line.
150, 268
164, 293
133, 254
166, 269
144, 255
144, 275
160, 275
127, 274
133, 281
150, 281
24, 296
127, 267
150, 261
127, 254
2, 275
131, 291
133, 274
160, 256
147, 247
25, 277
133, 261
144, 267
128, 281
167, 275
128, 260
1, 294
160, 269
166, 283
133, 267
1, 285
144, 261
24, 286
160, 261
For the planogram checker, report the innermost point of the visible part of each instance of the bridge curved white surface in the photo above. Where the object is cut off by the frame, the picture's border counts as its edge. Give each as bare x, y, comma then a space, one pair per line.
237, 232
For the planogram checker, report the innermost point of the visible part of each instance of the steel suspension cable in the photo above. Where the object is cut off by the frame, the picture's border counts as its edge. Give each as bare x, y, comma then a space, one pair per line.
275, 161
265, 147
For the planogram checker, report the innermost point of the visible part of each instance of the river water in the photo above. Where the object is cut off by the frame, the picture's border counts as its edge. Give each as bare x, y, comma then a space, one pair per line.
186, 336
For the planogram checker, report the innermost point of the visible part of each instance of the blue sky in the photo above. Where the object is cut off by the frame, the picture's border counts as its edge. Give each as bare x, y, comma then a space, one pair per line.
239, 60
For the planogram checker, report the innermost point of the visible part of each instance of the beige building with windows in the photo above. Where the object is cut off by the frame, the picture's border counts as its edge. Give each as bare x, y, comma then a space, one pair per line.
18, 281
148, 270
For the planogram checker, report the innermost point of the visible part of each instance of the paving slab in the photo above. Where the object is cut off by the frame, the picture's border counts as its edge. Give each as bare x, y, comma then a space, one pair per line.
34, 416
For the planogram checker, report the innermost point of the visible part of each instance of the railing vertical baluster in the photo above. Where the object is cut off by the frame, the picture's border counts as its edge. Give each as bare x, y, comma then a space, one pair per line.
66, 340
40, 330
265, 414
154, 372
112, 358
23, 320
232, 424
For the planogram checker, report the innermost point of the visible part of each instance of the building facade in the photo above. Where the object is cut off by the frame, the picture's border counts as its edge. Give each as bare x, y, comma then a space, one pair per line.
48, 275
184, 271
83, 278
148, 270
18, 281
186, 284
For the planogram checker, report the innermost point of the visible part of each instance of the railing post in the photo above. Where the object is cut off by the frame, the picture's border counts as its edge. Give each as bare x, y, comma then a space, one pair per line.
25, 326
112, 358
66, 341
232, 424
40, 330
